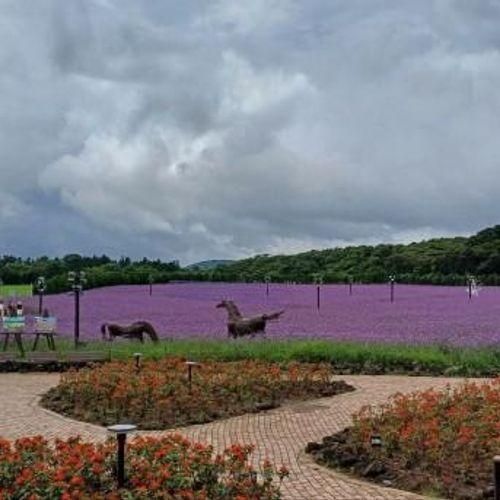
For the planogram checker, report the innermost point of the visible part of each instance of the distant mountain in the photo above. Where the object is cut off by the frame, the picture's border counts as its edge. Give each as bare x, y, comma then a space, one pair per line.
206, 265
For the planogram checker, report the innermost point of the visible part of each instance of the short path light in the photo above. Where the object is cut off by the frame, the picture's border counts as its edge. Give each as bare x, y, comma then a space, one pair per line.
137, 357
190, 365
376, 441
121, 431
496, 476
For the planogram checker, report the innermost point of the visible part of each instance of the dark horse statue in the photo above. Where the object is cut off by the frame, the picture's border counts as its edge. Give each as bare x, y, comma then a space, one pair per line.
134, 331
238, 326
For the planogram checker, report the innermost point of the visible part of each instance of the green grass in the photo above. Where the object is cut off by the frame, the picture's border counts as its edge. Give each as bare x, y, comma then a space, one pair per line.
7, 291
344, 356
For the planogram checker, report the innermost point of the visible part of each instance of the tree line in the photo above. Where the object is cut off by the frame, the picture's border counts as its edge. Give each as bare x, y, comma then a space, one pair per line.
99, 271
443, 261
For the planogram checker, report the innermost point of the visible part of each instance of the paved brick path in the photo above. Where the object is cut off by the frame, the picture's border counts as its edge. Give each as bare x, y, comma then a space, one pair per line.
280, 434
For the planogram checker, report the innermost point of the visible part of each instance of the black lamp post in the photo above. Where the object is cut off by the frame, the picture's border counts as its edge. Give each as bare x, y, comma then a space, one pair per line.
471, 281
76, 281
267, 279
318, 279
121, 431
392, 281
41, 286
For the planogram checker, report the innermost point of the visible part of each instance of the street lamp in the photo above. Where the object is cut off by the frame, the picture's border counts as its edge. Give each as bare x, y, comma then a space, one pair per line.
41, 286
392, 280
121, 431
318, 280
76, 281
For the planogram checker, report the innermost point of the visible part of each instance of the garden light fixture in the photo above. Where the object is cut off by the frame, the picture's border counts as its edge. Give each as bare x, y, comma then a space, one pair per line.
376, 441
121, 431
137, 357
76, 281
392, 280
190, 365
40, 286
496, 476
318, 279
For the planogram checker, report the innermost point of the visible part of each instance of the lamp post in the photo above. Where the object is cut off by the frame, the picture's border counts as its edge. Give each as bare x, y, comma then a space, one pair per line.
76, 281
318, 280
150, 281
121, 431
471, 283
350, 285
41, 286
267, 279
392, 280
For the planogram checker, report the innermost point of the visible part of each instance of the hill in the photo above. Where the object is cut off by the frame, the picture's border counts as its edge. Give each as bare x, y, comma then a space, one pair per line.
436, 261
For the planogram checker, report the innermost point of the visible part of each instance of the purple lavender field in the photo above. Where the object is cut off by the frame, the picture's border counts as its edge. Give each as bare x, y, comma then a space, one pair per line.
420, 314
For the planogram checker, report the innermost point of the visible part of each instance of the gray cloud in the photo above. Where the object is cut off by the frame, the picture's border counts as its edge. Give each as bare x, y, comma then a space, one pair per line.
202, 129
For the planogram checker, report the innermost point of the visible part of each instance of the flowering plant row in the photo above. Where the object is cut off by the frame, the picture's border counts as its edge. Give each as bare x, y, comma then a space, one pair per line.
159, 395
166, 467
439, 442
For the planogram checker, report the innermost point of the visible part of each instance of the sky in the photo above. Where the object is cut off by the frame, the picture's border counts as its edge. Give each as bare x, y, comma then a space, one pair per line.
219, 129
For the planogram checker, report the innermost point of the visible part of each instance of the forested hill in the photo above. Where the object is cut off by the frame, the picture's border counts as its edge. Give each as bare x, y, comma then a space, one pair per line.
437, 261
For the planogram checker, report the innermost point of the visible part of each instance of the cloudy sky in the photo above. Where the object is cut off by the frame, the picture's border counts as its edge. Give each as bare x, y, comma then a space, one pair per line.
217, 129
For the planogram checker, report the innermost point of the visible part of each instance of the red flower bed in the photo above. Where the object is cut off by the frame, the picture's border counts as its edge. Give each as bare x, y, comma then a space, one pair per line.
158, 396
436, 442
157, 468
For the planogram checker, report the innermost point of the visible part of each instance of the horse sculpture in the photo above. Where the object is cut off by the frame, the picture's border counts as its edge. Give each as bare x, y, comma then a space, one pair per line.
239, 326
134, 331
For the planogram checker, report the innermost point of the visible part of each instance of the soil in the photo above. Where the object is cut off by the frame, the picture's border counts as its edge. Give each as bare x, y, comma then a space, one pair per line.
340, 451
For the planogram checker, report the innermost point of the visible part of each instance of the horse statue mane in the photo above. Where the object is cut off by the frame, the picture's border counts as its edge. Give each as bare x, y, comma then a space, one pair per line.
134, 331
239, 326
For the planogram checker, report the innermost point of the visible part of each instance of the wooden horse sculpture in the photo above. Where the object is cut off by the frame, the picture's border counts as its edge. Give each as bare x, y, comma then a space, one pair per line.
134, 331
239, 326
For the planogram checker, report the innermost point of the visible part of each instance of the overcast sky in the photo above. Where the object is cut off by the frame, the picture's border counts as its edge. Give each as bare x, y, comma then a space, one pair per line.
219, 128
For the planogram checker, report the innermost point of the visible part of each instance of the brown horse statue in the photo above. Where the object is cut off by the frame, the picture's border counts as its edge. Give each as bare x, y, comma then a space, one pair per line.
134, 331
239, 326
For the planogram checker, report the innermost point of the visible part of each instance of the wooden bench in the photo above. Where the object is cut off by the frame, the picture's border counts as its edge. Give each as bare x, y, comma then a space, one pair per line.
41, 358
7, 357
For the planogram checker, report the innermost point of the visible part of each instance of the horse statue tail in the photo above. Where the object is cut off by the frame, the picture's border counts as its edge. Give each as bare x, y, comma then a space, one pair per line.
274, 315
149, 329
103, 330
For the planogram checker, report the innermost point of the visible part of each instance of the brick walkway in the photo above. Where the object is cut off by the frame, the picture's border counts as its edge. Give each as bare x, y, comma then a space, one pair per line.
280, 434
